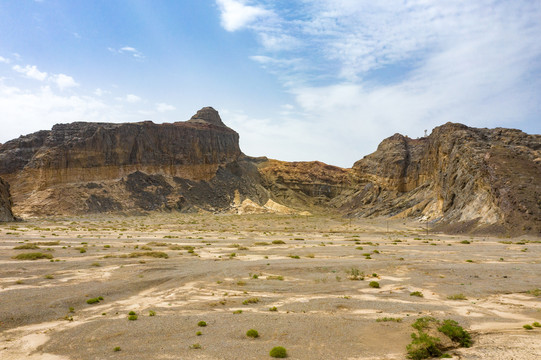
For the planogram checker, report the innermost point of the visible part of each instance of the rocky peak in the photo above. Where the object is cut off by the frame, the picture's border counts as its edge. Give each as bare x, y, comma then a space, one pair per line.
207, 115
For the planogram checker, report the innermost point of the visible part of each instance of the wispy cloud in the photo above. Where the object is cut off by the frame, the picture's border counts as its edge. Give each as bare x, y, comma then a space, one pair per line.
237, 14
4, 60
131, 98
163, 107
31, 72
128, 50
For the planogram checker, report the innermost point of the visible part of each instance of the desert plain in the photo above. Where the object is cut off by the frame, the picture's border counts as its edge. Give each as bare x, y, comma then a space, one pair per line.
303, 282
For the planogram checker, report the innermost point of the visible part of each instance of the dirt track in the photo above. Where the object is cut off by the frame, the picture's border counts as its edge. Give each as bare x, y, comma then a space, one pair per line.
215, 263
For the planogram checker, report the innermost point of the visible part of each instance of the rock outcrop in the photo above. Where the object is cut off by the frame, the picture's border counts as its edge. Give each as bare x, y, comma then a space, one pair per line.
92, 167
5, 202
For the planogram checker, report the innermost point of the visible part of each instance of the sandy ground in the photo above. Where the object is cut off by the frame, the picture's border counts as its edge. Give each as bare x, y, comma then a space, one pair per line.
216, 263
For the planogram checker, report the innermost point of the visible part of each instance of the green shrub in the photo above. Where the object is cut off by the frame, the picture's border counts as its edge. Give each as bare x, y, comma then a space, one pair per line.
93, 301
199, 333
132, 317
455, 332
374, 284
250, 301
536, 324
201, 324
423, 346
278, 352
527, 327
151, 313
252, 333
26, 247
423, 323
417, 293
535, 292
457, 297
273, 308
33, 256
116, 349
196, 346
278, 242
132, 313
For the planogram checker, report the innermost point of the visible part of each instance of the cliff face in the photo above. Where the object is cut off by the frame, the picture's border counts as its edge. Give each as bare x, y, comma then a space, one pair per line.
5, 202
82, 167
460, 177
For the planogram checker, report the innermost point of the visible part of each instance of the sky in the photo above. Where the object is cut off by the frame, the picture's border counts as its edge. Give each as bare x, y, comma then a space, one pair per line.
299, 80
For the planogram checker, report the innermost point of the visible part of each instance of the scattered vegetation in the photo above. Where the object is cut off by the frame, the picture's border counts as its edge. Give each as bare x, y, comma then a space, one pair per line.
29, 246
196, 346
389, 319
527, 327
355, 274
535, 292
273, 308
278, 242
278, 352
156, 254
416, 293
33, 256
374, 284
250, 301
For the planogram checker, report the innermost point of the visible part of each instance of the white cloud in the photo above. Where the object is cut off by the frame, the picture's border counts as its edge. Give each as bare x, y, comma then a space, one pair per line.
132, 98
64, 81
235, 14
4, 60
362, 70
31, 72
129, 50
163, 107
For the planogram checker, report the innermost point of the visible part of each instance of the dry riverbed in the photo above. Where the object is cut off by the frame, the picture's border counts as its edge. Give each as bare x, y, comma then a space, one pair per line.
301, 281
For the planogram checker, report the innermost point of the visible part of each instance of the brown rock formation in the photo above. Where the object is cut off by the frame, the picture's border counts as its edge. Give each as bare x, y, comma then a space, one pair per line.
5, 202
460, 177
82, 167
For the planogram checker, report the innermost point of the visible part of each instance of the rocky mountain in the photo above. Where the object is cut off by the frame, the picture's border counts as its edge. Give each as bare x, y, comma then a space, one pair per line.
460, 179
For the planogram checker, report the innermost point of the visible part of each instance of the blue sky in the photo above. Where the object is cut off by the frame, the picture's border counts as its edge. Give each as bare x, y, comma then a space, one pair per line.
299, 80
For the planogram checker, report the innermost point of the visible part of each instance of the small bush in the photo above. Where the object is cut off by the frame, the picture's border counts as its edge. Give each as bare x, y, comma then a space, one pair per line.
273, 308
33, 256
151, 313
465, 242
374, 284
417, 293
536, 324
237, 312
278, 352
457, 297
199, 333
535, 292
201, 324
116, 349
423, 346
132, 313
250, 301
26, 247
455, 332
196, 346
252, 333
93, 301
527, 327
423, 323
278, 242
132, 317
